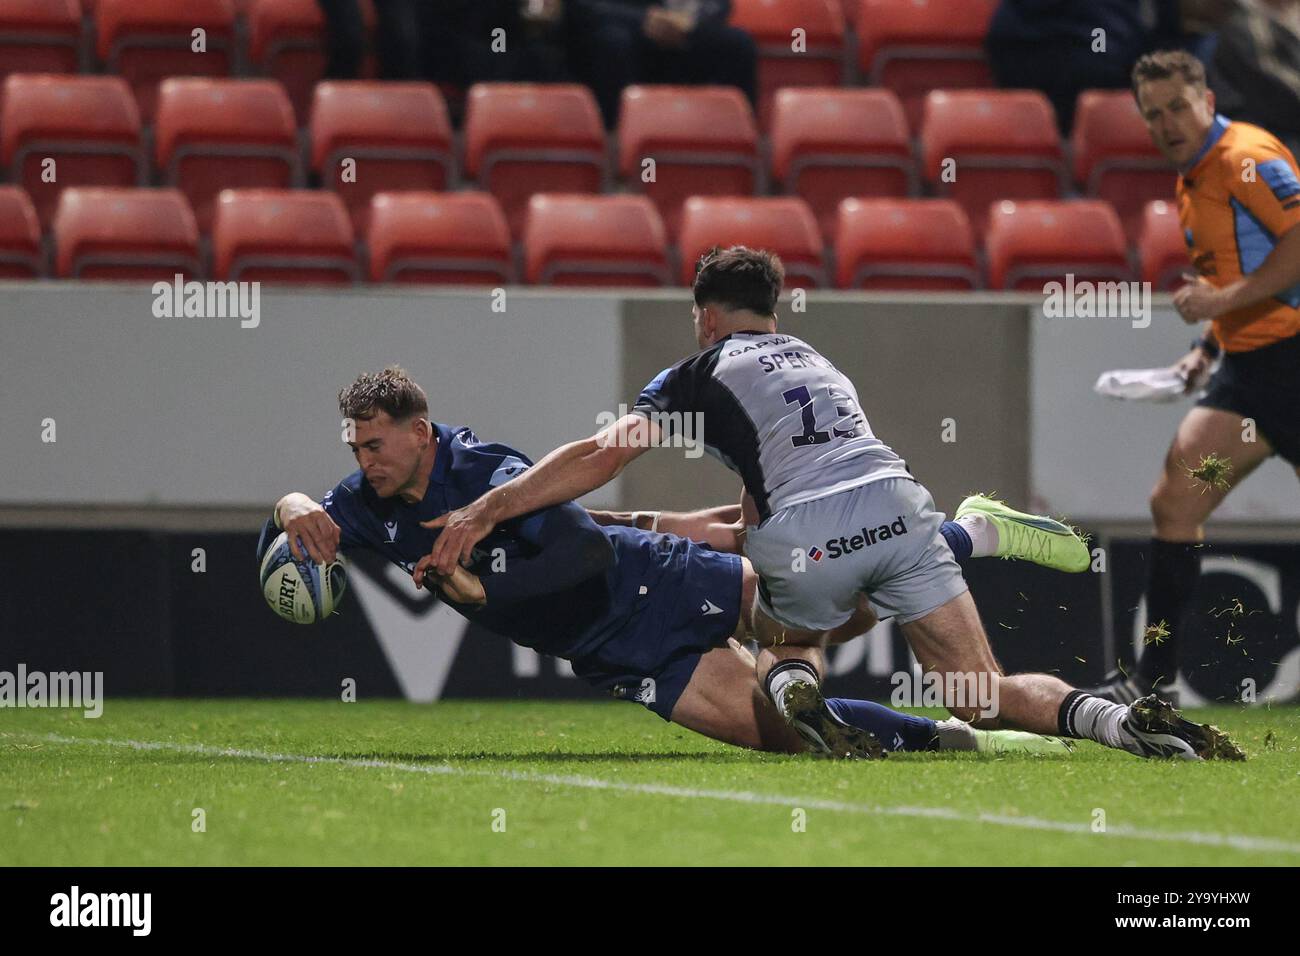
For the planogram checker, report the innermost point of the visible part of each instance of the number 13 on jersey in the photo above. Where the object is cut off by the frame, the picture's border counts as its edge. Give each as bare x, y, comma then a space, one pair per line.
845, 408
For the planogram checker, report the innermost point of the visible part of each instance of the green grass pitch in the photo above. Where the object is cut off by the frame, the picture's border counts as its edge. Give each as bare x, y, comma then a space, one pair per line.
470, 782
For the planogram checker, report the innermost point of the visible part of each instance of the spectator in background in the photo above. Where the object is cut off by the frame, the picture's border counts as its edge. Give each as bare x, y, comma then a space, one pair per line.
615, 43
1048, 45
404, 40
467, 52
345, 39
1255, 67
403, 31
449, 41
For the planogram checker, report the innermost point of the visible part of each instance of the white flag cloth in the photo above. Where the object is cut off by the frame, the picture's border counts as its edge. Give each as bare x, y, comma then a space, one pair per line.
1142, 384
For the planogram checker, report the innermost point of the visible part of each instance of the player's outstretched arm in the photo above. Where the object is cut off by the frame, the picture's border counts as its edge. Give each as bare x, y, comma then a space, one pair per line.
308, 526
720, 528
569, 472
568, 549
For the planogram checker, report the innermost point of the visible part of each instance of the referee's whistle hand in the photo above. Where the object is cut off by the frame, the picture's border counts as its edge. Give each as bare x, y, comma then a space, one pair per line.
1197, 301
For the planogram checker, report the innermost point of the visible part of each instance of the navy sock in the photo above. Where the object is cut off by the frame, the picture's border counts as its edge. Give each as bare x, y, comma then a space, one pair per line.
957, 539
895, 731
1172, 572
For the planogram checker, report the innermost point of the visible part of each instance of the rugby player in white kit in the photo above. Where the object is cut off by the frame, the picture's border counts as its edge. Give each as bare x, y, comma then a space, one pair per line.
837, 526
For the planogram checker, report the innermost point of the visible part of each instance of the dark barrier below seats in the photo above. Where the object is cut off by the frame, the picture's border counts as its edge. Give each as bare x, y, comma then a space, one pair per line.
130, 604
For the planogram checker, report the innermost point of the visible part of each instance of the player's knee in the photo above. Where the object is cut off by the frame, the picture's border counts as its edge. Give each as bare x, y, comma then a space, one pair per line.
1174, 515
1166, 507
1159, 503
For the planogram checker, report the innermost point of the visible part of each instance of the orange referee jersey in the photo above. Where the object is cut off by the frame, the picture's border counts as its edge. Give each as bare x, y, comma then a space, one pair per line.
1241, 192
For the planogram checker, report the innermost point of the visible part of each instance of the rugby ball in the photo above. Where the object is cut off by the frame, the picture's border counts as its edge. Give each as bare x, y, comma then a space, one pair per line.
301, 591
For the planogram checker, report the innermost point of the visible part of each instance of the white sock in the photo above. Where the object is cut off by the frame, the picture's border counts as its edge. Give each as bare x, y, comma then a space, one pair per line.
1100, 720
786, 673
955, 734
983, 536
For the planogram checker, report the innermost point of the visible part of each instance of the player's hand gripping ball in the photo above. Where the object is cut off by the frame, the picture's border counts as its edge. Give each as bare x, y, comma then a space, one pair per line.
301, 591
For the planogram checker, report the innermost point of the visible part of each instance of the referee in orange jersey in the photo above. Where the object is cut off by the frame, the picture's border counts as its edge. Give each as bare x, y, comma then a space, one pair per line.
1239, 206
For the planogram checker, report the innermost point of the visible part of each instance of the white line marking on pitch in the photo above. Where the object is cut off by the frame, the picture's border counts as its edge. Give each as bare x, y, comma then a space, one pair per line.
1232, 840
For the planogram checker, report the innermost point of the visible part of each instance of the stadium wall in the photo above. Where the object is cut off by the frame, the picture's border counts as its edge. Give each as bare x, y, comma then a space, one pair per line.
200, 413
177, 434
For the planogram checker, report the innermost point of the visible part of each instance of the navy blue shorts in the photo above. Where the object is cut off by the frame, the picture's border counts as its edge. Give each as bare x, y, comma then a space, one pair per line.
690, 606
1263, 384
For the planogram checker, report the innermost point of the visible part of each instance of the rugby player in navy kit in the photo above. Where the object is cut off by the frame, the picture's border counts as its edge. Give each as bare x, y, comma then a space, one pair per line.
648, 616
818, 480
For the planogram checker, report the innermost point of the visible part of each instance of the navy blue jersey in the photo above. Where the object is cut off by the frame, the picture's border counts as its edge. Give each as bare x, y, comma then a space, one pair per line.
555, 581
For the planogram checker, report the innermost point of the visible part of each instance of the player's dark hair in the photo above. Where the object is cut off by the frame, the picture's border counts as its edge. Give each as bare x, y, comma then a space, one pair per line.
390, 391
1166, 64
739, 278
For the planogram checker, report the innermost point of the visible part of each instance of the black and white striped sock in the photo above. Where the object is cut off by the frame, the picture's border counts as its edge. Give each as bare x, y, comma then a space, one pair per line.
782, 675
1083, 716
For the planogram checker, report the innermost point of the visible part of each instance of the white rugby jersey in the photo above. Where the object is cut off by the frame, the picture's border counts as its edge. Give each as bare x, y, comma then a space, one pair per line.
775, 411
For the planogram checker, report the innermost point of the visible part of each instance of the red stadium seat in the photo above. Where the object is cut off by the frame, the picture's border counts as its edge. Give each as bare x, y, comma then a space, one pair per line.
146, 41
1003, 142
58, 131
819, 61
1163, 247
439, 238
113, 233
39, 36
595, 241
283, 236
784, 225
923, 244
680, 141
398, 134
224, 134
829, 144
286, 41
914, 46
1031, 243
525, 138
20, 235
1114, 158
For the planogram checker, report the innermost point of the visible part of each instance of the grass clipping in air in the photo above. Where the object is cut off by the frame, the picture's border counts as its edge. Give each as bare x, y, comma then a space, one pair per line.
1156, 633
1213, 471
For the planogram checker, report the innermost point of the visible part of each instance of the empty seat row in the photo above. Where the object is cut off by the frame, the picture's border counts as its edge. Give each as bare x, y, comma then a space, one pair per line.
673, 142
908, 46
905, 46
575, 239
146, 41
